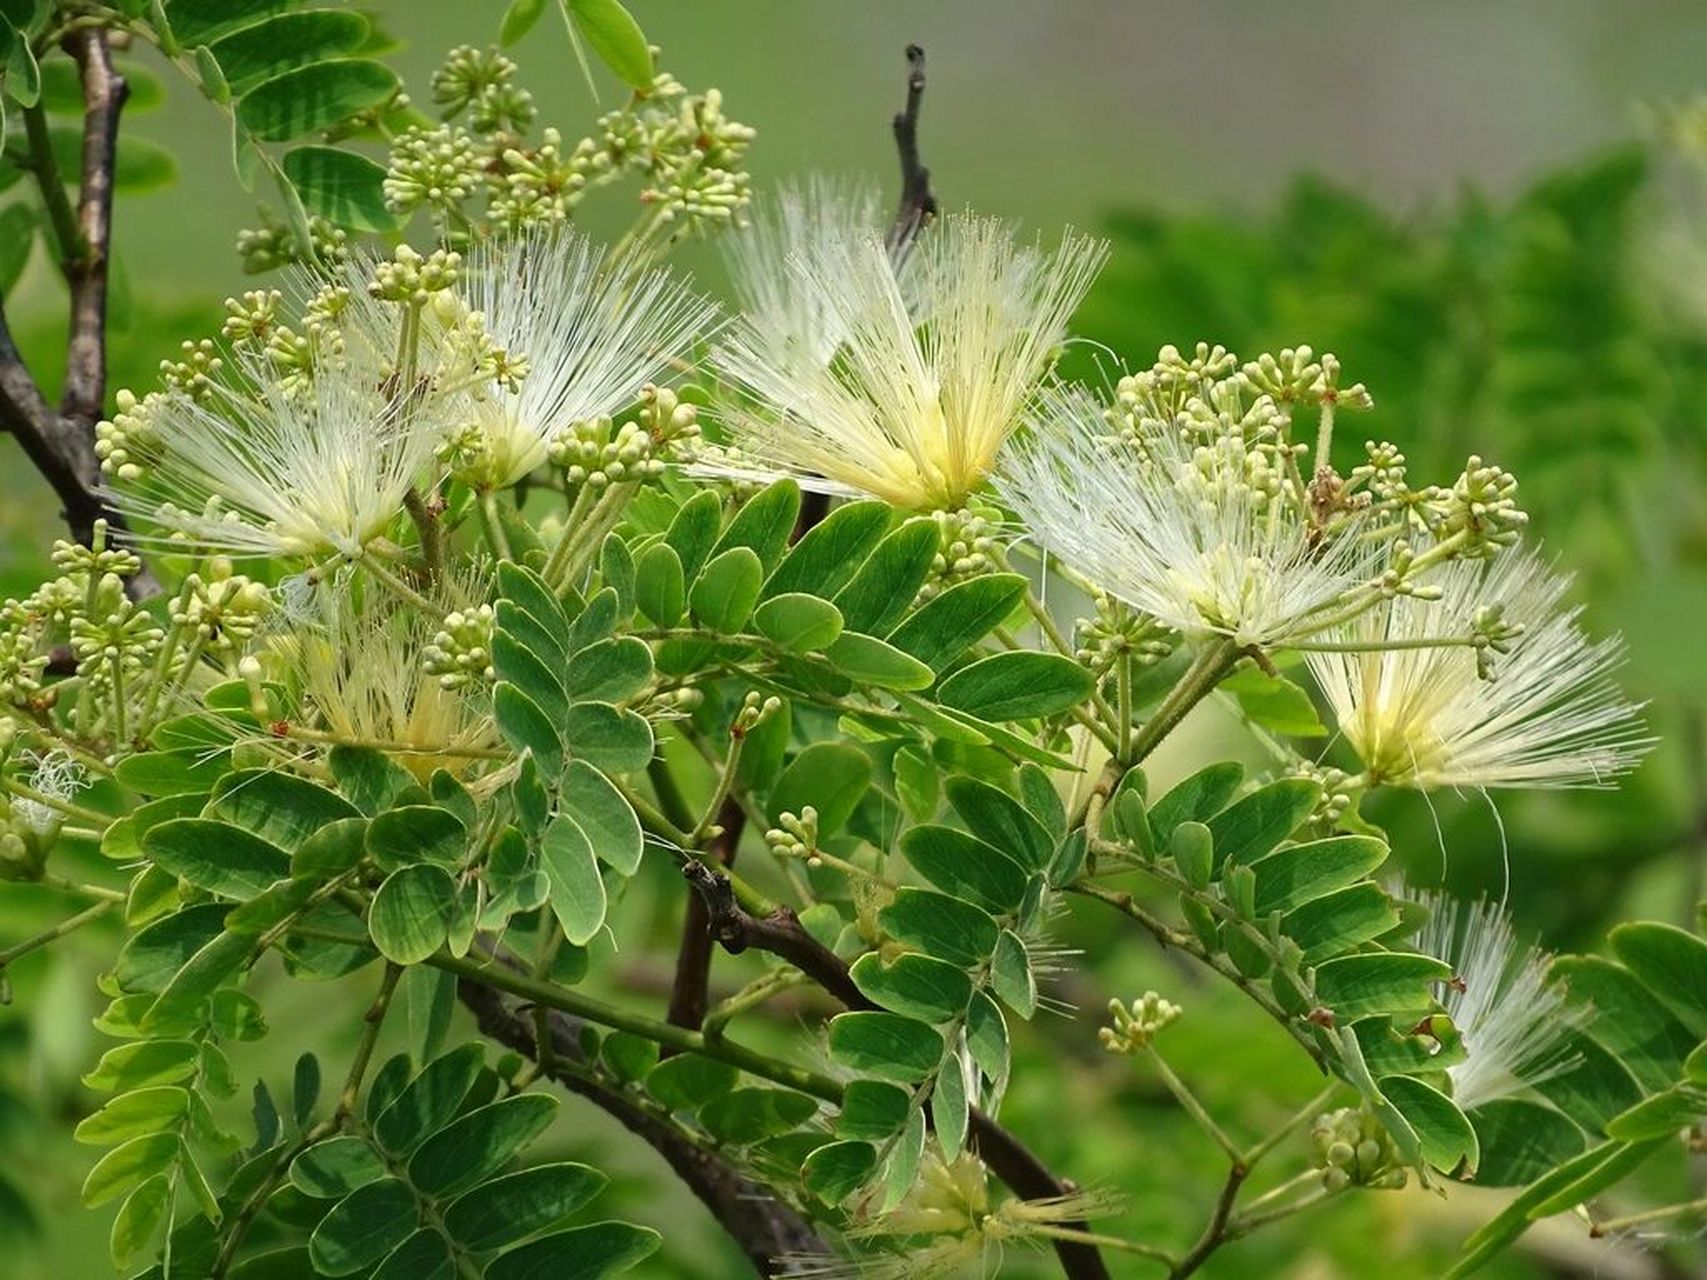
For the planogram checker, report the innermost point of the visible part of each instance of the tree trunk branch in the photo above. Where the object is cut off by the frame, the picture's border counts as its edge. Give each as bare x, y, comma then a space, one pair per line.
104, 94
782, 934
60, 443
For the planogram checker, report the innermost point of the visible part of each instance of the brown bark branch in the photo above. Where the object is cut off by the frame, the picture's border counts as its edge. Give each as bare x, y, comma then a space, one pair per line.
690, 994
60, 447
918, 202
104, 94
782, 934
60, 443
767, 1230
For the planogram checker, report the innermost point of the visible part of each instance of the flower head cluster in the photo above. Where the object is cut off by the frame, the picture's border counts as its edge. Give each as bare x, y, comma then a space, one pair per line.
267, 469
597, 334
908, 378
363, 666
949, 1225
1203, 528
1410, 699
1515, 1023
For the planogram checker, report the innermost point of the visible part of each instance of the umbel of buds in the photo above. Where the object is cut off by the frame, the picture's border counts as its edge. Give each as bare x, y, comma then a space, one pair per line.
1352, 1149
1132, 1028
460, 653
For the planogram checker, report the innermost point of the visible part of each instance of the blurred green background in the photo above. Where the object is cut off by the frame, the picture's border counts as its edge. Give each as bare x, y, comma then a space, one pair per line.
1474, 206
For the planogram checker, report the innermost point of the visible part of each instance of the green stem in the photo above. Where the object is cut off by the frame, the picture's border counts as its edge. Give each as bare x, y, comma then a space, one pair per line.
1245, 1223
322, 737
1099, 1240
652, 820
372, 1021
119, 726
1124, 703
491, 527
1613, 1225
1212, 663
663, 1033
707, 824
1377, 646
69, 925
61, 217
1302, 1117
751, 996
65, 885
1195, 1109
401, 589
100, 821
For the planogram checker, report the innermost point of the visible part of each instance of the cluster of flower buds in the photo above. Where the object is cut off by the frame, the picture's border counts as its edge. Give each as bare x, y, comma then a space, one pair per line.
966, 543
1336, 794
540, 185
1297, 377
795, 835
124, 443
221, 611
193, 375
23, 658
756, 708
1492, 636
1238, 419
1132, 1028
460, 654
687, 151
414, 278
670, 703
436, 169
1117, 630
273, 244
597, 452
482, 84
1479, 511
251, 319
1352, 1149
112, 638
1397, 578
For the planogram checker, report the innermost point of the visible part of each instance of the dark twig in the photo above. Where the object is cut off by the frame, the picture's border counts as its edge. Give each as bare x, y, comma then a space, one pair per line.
782, 935
104, 93
767, 1230
690, 993
61, 443
918, 202
60, 447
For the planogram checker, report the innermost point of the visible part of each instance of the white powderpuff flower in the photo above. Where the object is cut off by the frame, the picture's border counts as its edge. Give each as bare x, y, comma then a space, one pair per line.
1515, 1023
358, 659
55, 775
1196, 535
1551, 716
794, 327
264, 469
592, 328
932, 373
